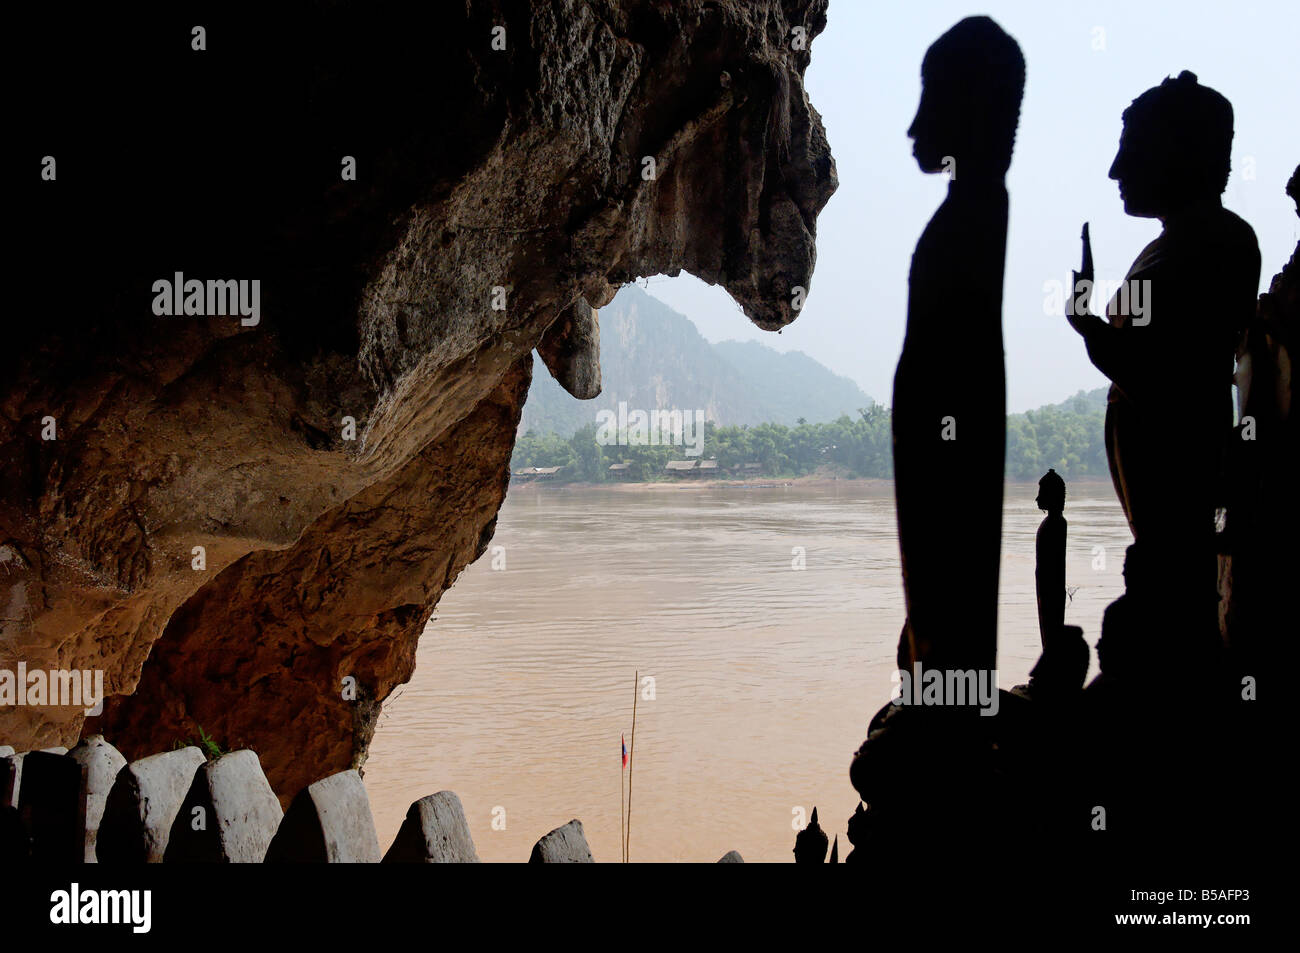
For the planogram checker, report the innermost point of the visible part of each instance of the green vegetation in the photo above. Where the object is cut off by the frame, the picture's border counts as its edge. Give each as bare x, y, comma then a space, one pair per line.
211, 750
862, 446
1067, 436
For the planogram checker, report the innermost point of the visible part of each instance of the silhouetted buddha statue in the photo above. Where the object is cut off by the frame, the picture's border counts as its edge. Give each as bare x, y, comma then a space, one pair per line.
1169, 343
810, 843
1061, 670
859, 832
949, 390
1049, 556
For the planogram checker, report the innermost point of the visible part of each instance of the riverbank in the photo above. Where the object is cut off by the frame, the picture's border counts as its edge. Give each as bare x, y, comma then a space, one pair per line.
696, 484
809, 481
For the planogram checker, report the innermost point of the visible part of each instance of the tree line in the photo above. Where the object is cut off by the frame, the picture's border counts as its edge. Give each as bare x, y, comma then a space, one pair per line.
1067, 437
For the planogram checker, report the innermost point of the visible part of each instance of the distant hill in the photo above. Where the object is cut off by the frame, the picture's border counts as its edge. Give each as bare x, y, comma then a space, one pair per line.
651, 358
791, 385
1085, 401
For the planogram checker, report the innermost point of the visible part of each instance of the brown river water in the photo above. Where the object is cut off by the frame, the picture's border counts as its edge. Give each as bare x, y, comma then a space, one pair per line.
765, 675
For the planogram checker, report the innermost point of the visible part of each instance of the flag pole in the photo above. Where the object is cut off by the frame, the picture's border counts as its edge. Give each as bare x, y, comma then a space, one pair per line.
621, 836
627, 837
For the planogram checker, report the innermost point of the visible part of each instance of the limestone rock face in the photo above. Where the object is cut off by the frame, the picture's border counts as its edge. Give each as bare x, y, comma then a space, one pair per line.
564, 845
245, 516
434, 832
571, 350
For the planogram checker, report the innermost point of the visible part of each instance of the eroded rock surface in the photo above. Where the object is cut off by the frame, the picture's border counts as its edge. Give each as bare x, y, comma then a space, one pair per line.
182, 502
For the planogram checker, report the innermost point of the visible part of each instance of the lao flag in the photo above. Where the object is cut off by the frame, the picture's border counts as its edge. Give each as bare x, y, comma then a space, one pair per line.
623, 742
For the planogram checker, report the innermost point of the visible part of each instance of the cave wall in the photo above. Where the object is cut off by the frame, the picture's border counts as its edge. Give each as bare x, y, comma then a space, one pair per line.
500, 195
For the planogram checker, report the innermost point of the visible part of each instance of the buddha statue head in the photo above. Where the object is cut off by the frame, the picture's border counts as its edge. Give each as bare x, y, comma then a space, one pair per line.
1175, 148
972, 82
1051, 492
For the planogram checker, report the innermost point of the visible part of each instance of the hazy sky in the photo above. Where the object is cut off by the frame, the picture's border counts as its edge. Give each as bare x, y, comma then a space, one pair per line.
865, 81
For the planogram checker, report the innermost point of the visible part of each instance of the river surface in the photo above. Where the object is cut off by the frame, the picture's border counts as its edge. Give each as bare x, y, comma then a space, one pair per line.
764, 675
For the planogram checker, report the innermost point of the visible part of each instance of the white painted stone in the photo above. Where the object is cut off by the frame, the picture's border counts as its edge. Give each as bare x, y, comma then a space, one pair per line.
11, 777
564, 845
434, 832
143, 804
102, 763
11, 773
328, 822
237, 817
52, 807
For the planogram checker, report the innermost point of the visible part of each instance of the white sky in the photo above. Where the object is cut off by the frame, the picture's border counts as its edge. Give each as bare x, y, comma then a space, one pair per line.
865, 81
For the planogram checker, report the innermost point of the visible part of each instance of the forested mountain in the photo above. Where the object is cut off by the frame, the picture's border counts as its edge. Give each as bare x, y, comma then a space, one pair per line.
651, 358
791, 385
